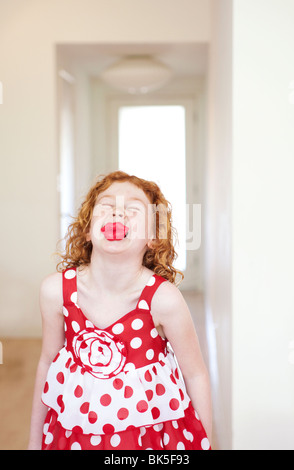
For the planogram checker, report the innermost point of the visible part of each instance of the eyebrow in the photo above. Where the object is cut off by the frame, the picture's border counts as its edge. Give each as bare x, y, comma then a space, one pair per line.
114, 197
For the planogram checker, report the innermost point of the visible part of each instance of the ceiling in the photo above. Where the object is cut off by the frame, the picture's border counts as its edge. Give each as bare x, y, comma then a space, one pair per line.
183, 59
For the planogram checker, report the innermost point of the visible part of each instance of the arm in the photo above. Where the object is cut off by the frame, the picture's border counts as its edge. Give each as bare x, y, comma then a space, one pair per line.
51, 301
170, 311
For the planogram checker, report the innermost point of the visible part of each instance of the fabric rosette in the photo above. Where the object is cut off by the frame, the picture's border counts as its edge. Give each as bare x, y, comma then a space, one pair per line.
99, 353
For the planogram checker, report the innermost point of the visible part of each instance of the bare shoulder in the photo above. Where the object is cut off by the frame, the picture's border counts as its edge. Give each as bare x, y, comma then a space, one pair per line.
51, 292
167, 298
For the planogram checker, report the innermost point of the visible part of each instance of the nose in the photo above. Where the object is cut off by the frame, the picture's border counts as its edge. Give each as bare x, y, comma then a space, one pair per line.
118, 211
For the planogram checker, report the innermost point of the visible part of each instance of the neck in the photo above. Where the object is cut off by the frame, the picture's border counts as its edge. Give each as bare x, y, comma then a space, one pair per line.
114, 274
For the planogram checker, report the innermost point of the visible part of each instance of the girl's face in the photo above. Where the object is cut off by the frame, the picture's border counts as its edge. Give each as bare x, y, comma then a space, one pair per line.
122, 219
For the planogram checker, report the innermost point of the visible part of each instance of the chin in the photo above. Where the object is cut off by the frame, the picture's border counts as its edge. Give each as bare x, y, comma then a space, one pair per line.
129, 246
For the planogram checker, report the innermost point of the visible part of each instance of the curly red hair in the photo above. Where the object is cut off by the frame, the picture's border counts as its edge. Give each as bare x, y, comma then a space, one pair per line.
159, 257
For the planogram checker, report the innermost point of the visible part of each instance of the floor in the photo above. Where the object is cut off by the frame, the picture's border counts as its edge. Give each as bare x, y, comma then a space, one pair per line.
17, 374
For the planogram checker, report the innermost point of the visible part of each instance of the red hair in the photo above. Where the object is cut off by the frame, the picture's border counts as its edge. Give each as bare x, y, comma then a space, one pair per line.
159, 258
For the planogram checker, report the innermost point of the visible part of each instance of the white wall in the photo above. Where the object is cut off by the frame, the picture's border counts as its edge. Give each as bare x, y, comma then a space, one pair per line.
263, 226
29, 32
250, 287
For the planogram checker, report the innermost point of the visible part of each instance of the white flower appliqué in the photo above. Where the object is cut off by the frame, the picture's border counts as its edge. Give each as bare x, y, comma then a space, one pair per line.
99, 353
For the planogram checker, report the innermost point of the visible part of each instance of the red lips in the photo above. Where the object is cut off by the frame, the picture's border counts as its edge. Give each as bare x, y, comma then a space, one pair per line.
114, 231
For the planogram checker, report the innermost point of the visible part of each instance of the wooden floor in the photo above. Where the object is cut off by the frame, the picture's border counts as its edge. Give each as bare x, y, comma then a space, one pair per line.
17, 375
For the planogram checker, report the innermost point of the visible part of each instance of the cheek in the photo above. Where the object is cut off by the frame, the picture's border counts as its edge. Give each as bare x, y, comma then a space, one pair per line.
100, 211
141, 227
95, 229
99, 214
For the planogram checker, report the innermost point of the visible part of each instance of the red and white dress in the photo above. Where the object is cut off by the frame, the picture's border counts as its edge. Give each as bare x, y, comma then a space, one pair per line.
117, 388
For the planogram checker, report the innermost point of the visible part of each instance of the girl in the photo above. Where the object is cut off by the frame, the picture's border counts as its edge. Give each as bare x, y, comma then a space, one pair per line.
113, 319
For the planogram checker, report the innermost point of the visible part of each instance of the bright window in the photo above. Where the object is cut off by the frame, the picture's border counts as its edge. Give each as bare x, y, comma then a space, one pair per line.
152, 145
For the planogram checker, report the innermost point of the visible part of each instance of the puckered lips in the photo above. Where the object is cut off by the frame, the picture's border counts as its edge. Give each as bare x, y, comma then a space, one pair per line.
114, 231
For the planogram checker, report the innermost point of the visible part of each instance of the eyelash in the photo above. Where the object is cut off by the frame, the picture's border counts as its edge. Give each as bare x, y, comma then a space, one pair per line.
134, 208
130, 207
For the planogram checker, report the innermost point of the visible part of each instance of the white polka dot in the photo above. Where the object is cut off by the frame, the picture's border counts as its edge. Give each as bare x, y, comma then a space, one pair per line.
115, 440
137, 324
150, 354
151, 281
70, 274
143, 304
76, 446
74, 297
68, 433
118, 328
161, 356
140, 441
45, 428
154, 333
205, 444
136, 343
142, 431
175, 424
165, 438
129, 367
65, 311
48, 438
158, 427
95, 440
75, 326
188, 435
180, 446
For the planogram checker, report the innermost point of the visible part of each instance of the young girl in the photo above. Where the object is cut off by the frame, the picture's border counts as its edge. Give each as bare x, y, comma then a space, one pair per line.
113, 319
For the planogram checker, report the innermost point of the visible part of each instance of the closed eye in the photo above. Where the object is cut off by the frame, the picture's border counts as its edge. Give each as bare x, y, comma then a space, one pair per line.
135, 209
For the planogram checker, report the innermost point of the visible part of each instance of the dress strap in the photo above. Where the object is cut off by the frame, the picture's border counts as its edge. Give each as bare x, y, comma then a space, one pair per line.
69, 286
148, 292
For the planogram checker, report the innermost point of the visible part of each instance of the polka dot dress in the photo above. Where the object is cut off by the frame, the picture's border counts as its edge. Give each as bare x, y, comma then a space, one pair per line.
119, 388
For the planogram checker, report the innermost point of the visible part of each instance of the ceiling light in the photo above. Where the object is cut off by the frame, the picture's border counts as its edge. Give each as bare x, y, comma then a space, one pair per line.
137, 75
